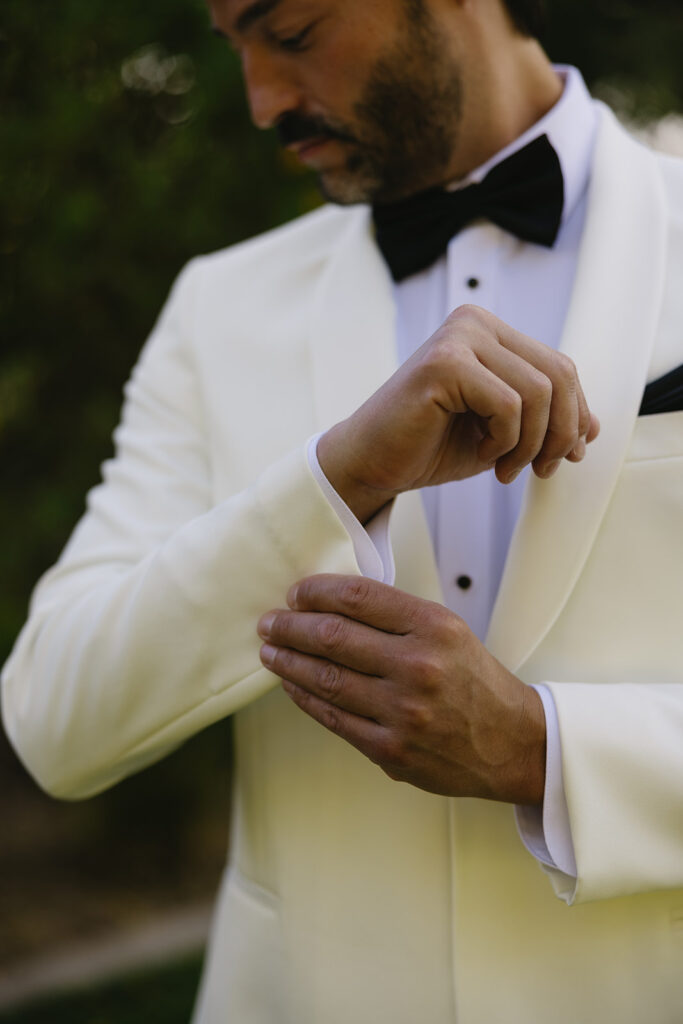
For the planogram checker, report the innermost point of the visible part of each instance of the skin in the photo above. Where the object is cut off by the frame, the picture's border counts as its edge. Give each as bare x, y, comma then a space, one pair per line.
446, 79
405, 680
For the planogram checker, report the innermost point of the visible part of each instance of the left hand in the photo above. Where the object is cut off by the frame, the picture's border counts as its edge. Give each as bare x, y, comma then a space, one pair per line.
407, 683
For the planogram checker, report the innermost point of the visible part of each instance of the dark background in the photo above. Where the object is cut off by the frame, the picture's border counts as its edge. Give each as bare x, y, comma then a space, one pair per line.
125, 149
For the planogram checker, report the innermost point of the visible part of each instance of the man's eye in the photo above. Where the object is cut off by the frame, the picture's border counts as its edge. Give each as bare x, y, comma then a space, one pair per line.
297, 42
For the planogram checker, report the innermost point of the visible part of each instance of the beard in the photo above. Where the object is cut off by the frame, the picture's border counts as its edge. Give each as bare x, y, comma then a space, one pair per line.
405, 122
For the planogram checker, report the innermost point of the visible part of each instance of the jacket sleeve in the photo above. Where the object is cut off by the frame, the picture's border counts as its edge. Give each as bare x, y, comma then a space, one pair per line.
622, 766
144, 631
620, 700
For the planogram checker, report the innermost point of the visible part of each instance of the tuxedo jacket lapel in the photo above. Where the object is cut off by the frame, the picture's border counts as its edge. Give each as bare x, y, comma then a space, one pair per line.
609, 334
352, 331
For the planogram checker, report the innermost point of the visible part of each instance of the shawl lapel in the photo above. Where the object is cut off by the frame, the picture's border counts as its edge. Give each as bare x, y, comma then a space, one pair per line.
609, 334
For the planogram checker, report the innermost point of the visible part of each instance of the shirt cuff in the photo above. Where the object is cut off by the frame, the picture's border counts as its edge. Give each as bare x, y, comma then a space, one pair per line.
546, 831
371, 543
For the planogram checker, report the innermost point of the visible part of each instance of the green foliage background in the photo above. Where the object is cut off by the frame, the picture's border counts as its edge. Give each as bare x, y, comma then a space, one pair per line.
125, 149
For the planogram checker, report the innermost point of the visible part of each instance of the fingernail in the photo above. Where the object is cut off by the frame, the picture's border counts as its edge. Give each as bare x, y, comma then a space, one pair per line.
513, 476
579, 449
268, 653
291, 595
265, 624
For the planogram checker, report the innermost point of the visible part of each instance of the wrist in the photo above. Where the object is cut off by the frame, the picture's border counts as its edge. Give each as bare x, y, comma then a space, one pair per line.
360, 497
532, 731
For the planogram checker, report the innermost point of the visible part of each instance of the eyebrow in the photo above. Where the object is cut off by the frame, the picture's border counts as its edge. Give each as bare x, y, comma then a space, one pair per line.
253, 13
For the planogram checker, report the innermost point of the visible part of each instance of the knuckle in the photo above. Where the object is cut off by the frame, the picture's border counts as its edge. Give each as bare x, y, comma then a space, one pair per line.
439, 354
331, 631
427, 671
510, 403
331, 718
456, 630
329, 680
462, 326
435, 617
468, 314
354, 592
451, 348
540, 389
392, 754
565, 370
416, 716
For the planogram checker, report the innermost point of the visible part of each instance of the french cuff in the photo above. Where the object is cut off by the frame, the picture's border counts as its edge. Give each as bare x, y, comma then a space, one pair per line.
371, 543
546, 831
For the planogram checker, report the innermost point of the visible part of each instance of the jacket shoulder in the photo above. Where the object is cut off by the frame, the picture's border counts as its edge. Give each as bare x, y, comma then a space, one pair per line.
290, 249
247, 282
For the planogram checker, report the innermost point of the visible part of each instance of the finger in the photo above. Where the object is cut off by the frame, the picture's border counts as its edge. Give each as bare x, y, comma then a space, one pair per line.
391, 613
568, 417
334, 637
487, 395
535, 392
578, 452
355, 692
363, 733
357, 597
571, 423
594, 428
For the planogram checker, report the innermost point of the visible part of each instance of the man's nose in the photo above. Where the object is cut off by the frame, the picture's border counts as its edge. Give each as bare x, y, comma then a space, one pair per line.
271, 90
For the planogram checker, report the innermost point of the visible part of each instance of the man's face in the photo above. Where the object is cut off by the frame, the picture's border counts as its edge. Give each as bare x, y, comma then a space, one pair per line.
366, 92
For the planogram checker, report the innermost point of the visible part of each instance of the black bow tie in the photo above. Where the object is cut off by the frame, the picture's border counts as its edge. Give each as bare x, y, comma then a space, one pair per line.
523, 194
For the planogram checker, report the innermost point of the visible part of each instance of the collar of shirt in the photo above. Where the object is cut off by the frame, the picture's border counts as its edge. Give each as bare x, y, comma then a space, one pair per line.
571, 126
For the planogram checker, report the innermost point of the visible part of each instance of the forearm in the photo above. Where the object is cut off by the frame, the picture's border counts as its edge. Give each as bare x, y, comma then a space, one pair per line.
119, 663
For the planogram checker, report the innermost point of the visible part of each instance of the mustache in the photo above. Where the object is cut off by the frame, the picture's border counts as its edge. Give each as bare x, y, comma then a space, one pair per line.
295, 127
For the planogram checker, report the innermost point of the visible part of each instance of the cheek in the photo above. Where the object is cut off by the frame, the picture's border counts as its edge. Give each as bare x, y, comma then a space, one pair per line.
332, 89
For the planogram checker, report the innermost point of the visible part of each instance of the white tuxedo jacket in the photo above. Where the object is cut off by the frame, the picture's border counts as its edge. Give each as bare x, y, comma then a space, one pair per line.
349, 897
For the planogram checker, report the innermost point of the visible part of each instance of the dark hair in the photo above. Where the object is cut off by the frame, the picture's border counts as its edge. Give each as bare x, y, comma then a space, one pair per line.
527, 15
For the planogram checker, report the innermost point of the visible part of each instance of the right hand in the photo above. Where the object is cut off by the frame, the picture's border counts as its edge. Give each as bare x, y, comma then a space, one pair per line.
477, 394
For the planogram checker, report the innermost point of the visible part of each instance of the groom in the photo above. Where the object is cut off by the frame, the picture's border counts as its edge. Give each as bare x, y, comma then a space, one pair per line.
467, 354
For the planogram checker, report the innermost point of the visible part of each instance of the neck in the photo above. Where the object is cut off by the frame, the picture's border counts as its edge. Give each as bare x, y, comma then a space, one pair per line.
515, 86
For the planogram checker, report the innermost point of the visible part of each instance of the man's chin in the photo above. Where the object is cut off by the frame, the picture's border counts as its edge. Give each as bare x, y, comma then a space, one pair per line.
344, 188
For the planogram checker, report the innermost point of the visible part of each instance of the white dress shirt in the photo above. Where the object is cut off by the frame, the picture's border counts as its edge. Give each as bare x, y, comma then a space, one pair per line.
471, 521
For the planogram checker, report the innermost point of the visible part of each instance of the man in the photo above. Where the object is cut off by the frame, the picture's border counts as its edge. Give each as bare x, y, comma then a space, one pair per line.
350, 894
